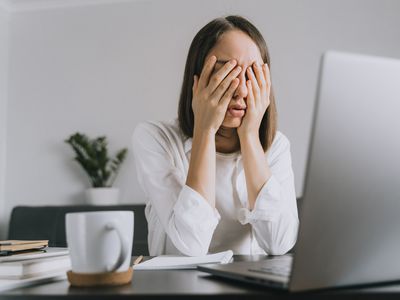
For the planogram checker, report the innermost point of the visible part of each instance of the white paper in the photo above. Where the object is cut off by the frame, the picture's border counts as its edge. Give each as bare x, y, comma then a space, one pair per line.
164, 262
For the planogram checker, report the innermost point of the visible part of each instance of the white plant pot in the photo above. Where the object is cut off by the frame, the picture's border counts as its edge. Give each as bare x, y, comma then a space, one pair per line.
102, 196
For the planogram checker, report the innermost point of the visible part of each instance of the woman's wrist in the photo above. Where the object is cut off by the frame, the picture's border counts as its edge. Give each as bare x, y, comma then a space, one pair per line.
203, 133
201, 173
248, 137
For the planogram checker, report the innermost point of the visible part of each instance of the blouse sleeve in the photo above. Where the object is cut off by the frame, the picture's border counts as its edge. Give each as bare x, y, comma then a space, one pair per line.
185, 216
274, 218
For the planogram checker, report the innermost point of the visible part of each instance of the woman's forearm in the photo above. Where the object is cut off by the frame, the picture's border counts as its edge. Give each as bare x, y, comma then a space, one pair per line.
201, 174
255, 166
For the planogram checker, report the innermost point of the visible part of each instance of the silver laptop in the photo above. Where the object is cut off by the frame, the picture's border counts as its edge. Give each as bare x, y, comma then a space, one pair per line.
350, 215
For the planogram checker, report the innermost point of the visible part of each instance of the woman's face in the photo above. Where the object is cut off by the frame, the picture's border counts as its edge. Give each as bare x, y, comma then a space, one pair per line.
236, 44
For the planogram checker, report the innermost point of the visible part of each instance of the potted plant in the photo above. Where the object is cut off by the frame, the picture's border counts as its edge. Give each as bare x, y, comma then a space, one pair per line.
92, 155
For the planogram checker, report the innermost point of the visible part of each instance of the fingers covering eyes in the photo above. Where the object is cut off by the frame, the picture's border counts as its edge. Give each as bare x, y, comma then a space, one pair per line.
254, 84
229, 93
206, 72
267, 75
227, 82
259, 75
217, 78
250, 95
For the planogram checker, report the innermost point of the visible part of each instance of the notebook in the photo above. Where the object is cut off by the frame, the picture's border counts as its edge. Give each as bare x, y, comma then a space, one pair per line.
47, 252
164, 262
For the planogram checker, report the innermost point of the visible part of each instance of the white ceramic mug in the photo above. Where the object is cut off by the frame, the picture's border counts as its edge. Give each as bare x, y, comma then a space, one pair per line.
100, 241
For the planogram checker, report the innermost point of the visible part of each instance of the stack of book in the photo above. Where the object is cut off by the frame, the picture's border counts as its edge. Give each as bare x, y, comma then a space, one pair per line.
23, 263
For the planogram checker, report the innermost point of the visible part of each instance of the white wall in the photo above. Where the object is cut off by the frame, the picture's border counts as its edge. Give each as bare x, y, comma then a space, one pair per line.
3, 109
101, 69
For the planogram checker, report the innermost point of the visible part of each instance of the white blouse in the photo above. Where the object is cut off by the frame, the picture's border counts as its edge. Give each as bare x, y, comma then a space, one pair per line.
180, 221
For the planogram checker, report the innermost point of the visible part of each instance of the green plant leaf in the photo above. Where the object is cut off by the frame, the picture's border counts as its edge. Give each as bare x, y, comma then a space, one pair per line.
92, 155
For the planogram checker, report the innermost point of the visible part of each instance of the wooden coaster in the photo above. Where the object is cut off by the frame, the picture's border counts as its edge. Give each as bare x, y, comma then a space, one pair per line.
100, 279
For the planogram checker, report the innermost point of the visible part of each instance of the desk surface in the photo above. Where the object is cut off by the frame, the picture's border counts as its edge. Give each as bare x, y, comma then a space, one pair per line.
191, 283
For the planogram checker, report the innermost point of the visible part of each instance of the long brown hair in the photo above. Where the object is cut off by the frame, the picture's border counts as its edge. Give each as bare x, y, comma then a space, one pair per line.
202, 43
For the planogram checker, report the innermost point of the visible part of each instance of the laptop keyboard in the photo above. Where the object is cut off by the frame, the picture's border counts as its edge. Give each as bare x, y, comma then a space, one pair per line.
280, 266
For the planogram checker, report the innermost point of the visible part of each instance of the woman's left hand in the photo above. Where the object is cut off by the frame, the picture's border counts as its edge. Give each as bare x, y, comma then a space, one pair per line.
258, 91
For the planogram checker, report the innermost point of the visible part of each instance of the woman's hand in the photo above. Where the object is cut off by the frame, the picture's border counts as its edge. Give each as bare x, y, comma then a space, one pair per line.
258, 89
255, 164
212, 94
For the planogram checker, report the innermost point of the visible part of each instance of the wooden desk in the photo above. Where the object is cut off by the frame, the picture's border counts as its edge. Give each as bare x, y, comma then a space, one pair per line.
185, 284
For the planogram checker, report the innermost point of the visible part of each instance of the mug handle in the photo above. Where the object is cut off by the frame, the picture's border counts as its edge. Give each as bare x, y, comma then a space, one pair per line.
123, 249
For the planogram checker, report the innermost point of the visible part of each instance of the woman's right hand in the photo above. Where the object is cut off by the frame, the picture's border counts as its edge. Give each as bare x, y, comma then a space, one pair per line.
212, 94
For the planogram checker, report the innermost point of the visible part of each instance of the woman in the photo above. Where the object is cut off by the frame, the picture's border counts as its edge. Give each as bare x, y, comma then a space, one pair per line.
220, 176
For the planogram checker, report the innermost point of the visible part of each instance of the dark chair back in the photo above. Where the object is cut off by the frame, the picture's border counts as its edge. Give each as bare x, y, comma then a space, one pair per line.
48, 223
